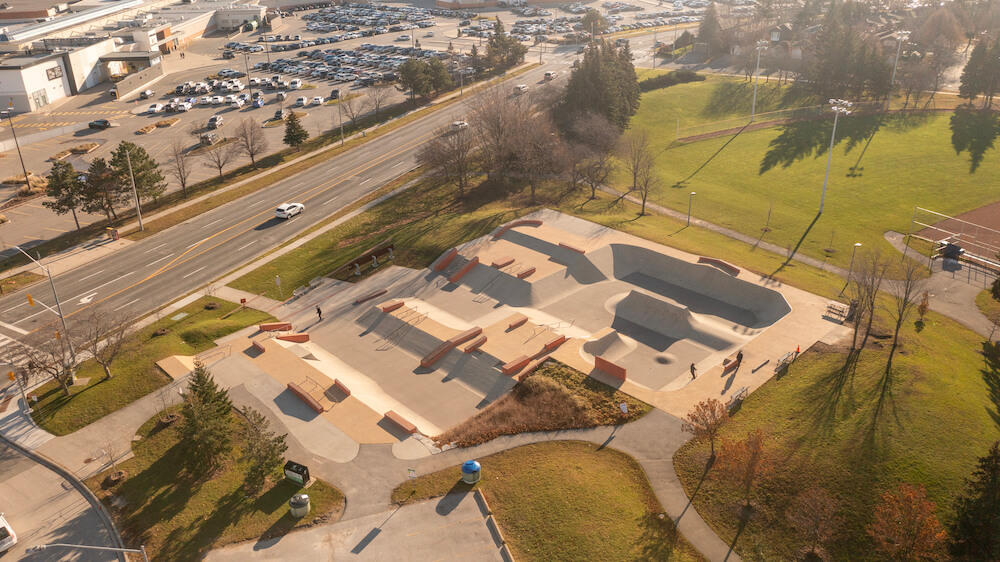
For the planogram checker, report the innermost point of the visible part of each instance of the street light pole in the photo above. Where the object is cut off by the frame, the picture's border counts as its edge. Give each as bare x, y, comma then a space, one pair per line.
10, 119
690, 200
756, 78
55, 296
246, 61
138, 210
141, 550
900, 37
839, 106
340, 113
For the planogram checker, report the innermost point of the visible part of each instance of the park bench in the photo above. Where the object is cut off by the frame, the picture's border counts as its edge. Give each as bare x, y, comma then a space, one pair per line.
737, 398
837, 309
784, 361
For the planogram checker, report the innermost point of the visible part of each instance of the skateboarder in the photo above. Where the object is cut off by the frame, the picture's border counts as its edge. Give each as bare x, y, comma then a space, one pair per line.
319, 313
694, 373
739, 357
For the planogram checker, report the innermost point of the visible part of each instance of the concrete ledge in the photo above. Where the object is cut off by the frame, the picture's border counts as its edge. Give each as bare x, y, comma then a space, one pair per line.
341, 387
446, 346
445, 260
517, 322
370, 296
465, 269
502, 262
572, 248
392, 305
515, 365
554, 342
259, 346
523, 222
525, 273
298, 338
400, 421
476, 344
610, 368
730, 269
304, 396
274, 326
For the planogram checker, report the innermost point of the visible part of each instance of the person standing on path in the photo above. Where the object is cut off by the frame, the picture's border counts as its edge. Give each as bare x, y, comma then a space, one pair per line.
319, 313
694, 373
739, 358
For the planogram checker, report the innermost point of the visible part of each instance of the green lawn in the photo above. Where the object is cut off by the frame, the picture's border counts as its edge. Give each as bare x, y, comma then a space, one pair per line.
136, 374
566, 500
881, 169
428, 219
16, 282
989, 307
179, 517
857, 436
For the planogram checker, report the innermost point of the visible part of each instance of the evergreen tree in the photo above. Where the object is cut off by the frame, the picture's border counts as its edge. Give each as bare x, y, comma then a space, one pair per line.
975, 531
414, 75
604, 84
710, 30
440, 78
295, 133
207, 432
102, 192
502, 50
263, 451
594, 22
65, 189
981, 75
149, 182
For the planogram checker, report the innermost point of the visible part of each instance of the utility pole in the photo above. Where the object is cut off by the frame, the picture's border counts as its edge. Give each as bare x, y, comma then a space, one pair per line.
58, 311
138, 210
10, 119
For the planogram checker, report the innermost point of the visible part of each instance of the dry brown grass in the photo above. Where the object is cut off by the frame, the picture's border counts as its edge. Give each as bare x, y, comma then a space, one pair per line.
554, 397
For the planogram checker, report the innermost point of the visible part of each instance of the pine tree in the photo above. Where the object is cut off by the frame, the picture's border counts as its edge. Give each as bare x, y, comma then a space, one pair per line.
972, 81
604, 84
414, 75
710, 30
976, 529
295, 133
207, 432
65, 190
263, 451
102, 191
149, 182
440, 78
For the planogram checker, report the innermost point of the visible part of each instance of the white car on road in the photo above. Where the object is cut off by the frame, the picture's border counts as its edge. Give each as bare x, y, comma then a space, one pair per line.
289, 210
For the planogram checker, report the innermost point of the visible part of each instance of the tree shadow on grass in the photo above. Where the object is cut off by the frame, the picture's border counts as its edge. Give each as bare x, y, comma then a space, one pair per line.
684, 181
658, 537
974, 132
991, 375
728, 98
801, 139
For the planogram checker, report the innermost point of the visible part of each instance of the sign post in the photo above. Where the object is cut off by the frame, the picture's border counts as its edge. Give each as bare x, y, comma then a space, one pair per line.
277, 281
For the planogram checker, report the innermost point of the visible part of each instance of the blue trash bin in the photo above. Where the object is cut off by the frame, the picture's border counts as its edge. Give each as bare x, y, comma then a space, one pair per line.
470, 472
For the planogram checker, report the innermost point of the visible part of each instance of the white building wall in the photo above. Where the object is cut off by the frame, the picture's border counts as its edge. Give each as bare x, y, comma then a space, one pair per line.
85, 64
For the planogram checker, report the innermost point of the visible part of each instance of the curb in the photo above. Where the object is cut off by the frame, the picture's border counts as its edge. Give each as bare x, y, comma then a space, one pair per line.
491, 524
103, 513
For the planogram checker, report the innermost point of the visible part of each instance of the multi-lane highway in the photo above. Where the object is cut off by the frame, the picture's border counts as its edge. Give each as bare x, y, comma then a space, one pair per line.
177, 261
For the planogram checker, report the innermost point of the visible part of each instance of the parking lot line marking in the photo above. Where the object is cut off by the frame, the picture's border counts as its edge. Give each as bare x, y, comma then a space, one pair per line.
193, 272
56, 229
18, 212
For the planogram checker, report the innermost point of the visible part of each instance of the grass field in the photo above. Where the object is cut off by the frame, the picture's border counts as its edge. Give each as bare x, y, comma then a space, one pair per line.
989, 307
135, 374
857, 436
429, 218
179, 517
566, 500
881, 168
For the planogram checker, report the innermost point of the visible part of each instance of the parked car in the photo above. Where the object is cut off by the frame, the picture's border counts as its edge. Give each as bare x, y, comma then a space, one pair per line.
280, 114
318, 100
237, 104
228, 55
282, 96
258, 102
184, 106
101, 124
215, 121
289, 210
146, 94
295, 84
208, 139
155, 108
301, 101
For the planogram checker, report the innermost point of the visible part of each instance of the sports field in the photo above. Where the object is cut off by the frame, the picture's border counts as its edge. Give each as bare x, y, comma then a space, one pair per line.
882, 167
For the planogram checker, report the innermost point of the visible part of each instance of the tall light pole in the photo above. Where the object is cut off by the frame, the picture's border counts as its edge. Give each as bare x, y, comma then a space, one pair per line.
138, 210
246, 60
141, 550
756, 78
850, 269
838, 107
58, 310
340, 113
690, 200
900, 37
10, 119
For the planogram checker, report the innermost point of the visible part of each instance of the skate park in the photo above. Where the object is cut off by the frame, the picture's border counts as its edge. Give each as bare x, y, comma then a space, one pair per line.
406, 354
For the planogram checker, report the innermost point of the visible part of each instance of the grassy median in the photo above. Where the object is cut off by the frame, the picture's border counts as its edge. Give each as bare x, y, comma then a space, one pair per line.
189, 331
566, 500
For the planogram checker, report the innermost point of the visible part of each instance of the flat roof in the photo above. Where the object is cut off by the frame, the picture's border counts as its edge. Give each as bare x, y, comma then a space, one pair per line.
26, 61
133, 55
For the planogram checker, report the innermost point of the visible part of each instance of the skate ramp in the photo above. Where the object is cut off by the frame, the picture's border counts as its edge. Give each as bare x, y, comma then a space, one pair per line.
503, 285
610, 345
670, 321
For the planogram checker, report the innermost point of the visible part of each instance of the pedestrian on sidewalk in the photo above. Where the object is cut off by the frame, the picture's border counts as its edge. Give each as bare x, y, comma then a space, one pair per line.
319, 312
739, 358
694, 373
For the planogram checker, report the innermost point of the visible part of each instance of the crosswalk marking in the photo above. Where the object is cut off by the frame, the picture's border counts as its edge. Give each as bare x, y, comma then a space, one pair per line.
44, 125
101, 112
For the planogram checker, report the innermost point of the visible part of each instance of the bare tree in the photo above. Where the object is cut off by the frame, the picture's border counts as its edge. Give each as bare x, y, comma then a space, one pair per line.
113, 450
498, 119
636, 154
452, 154
379, 94
219, 156
47, 355
596, 169
814, 516
536, 152
905, 288
705, 420
105, 334
648, 182
178, 165
354, 107
866, 282
251, 140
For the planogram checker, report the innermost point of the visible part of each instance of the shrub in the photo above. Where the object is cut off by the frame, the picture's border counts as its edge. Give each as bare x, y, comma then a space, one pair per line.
670, 79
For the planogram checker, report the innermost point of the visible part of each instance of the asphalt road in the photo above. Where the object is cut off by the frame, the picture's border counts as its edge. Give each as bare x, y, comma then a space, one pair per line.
43, 508
166, 266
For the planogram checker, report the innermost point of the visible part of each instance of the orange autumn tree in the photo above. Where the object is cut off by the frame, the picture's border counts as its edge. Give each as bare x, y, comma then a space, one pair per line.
705, 420
745, 462
905, 526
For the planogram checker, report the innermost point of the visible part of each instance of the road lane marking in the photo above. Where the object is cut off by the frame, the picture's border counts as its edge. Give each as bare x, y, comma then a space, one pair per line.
88, 298
154, 248
397, 165
246, 245
15, 306
102, 285
14, 328
126, 304
91, 275
32, 316
196, 243
366, 181
254, 204
159, 260
211, 223
193, 272
331, 200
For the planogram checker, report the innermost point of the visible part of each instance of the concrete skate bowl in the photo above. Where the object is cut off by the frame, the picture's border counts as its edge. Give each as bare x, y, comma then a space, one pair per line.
504, 286
702, 289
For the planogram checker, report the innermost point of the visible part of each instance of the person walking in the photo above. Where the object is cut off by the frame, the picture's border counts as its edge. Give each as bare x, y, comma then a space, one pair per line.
739, 357
319, 313
694, 373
